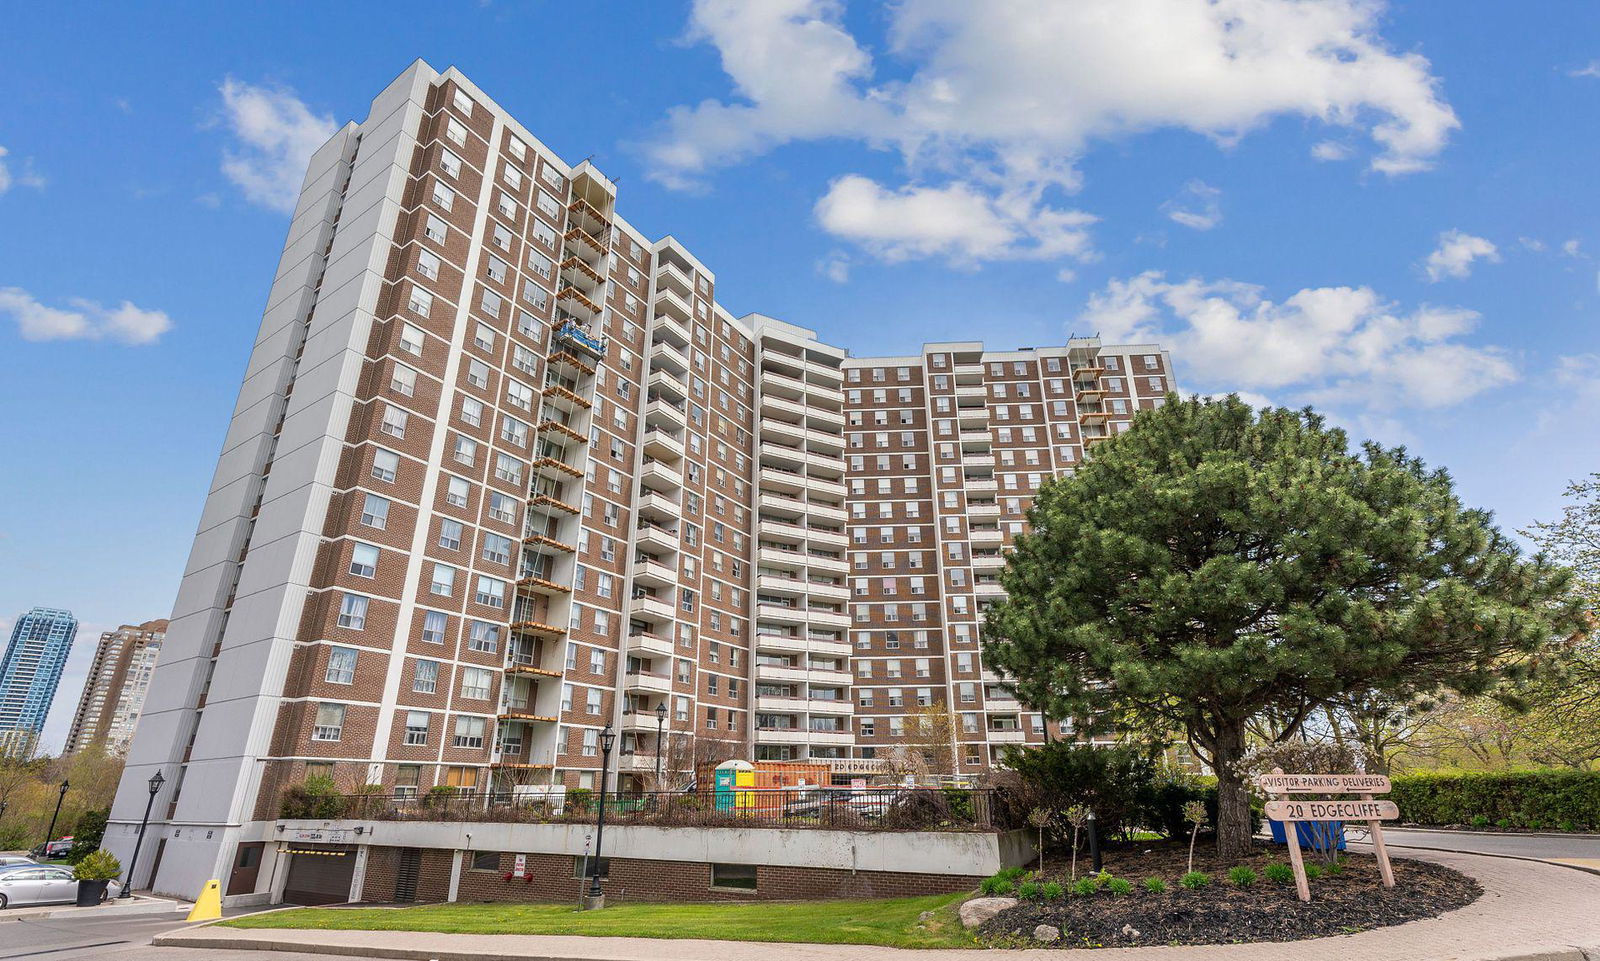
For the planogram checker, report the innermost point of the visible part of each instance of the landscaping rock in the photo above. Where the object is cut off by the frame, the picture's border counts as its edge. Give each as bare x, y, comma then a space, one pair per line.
925, 916
1130, 931
979, 910
1046, 933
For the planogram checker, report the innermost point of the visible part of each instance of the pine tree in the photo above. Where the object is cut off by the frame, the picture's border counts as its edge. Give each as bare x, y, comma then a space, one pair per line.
1211, 565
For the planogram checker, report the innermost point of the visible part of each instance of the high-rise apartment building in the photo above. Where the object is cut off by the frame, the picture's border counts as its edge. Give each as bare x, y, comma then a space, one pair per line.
114, 692
503, 472
29, 673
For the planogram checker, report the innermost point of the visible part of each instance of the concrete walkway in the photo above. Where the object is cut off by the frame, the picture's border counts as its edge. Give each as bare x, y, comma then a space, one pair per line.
1528, 912
114, 908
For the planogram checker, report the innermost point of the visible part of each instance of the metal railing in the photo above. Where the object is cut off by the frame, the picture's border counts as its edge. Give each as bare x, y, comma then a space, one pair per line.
872, 809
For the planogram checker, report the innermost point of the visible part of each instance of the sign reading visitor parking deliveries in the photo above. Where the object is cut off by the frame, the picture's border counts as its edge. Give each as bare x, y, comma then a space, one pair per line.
1323, 783
1332, 810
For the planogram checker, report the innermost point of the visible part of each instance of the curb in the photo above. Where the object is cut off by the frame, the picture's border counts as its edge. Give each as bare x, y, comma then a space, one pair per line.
1595, 952
1497, 834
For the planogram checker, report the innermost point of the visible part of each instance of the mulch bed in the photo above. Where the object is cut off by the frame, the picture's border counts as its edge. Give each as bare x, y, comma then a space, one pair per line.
1352, 900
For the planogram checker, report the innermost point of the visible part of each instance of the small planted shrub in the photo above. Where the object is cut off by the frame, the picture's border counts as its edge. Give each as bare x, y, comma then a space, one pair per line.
1028, 891
1568, 826
1195, 880
1313, 871
1480, 820
1083, 887
1101, 879
1281, 873
997, 886
100, 865
1012, 874
1335, 867
1502, 823
1052, 891
1242, 876
1119, 886
1155, 885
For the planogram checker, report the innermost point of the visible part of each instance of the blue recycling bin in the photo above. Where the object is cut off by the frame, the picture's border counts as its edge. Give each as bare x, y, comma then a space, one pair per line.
1309, 836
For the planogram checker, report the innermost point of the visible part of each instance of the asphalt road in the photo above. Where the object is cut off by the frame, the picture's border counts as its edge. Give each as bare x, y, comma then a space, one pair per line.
68, 938
1519, 845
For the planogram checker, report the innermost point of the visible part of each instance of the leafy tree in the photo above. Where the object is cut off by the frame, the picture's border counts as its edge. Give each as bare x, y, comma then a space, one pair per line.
1212, 565
1112, 781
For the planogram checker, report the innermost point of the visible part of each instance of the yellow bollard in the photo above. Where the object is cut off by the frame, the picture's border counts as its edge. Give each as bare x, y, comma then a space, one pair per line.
208, 906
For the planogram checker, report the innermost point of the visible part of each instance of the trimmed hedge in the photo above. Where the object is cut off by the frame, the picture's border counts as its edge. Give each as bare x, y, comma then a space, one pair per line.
1564, 800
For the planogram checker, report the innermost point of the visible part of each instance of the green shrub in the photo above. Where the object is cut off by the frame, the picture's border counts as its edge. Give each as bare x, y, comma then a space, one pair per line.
1195, 880
1028, 891
1119, 886
1115, 781
1052, 891
1334, 867
1502, 823
997, 886
317, 797
1242, 876
1313, 871
1490, 797
87, 834
1155, 885
1281, 873
1012, 874
1083, 887
97, 866
1568, 826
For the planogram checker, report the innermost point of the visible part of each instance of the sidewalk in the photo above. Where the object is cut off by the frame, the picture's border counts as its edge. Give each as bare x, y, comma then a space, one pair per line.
1529, 912
138, 904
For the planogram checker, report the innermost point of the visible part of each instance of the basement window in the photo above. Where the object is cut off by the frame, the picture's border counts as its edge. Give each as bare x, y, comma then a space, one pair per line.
486, 861
738, 876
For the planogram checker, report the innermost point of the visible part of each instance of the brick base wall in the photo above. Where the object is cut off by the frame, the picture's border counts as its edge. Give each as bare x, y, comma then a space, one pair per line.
383, 871
550, 879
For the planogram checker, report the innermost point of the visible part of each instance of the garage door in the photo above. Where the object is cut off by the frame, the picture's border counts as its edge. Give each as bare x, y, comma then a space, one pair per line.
319, 874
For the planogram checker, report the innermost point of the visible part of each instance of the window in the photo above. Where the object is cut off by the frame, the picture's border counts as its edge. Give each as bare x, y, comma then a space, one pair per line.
742, 876
484, 637
436, 230
496, 549
394, 422
469, 732
456, 492
428, 264
450, 534
474, 685
583, 867
472, 411
329, 722
411, 339
591, 742
450, 163
364, 560
426, 679
420, 302
466, 450
443, 196
353, 612
433, 626
444, 580
416, 728
341, 666
502, 507
490, 592
384, 465
375, 511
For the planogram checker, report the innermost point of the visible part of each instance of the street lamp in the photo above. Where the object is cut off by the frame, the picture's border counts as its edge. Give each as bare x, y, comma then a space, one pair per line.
156, 780
50, 834
596, 897
661, 723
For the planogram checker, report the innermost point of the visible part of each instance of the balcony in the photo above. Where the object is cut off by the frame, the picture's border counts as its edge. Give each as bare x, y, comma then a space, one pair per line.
586, 244
779, 672
828, 592
647, 682
982, 485
779, 614
670, 277
533, 584
983, 510
664, 356
972, 392
664, 383
782, 432
544, 540
571, 336
669, 329
823, 648
579, 274
568, 361
562, 430
818, 675
776, 704
656, 538
780, 384
661, 508
669, 304
777, 505
655, 645
662, 444
778, 584
823, 537
987, 535
830, 705
1007, 735
665, 413
780, 735
837, 620
661, 476
780, 643
651, 573
552, 468
651, 608
553, 503
829, 737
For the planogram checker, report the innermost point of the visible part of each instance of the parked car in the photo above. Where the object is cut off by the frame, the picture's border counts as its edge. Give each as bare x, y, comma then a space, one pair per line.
51, 850
822, 801
22, 884
7, 860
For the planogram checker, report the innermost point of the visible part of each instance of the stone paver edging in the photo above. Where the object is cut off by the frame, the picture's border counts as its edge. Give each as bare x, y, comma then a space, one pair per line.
1529, 911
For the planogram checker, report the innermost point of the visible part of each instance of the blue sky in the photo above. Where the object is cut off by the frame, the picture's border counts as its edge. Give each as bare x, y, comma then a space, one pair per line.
1387, 211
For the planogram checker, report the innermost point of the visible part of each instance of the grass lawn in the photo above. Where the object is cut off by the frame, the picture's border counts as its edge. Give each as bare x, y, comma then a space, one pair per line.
891, 923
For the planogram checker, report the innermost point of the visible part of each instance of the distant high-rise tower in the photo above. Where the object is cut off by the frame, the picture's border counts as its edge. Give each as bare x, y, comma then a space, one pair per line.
29, 674
114, 692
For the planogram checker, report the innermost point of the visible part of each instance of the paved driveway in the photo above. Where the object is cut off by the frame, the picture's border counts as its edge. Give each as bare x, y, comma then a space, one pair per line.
1580, 849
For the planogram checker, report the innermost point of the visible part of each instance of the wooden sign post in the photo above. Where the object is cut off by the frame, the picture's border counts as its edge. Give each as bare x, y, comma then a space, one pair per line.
1291, 812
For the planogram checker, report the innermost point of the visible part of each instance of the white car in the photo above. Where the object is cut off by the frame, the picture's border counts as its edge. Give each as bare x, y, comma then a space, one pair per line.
41, 884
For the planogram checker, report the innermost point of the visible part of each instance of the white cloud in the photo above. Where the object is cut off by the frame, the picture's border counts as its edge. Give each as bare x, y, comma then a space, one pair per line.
85, 320
958, 222
1455, 254
1591, 69
1532, 244
1006, 95
1197, 206
25, 177
1331, 150
835, 267
1341, 345
1572, 248
275, 134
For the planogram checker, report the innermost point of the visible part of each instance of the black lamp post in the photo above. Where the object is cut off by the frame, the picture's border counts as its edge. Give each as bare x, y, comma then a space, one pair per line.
51, 834
597, 897
156, 780
661, 723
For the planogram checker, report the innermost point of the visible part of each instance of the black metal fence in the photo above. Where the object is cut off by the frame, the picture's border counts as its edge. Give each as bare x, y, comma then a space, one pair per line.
872, 809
